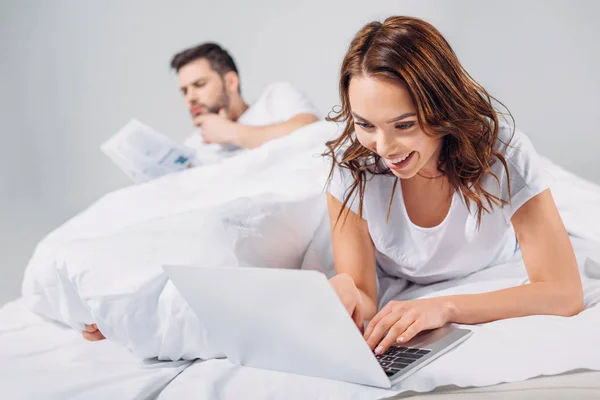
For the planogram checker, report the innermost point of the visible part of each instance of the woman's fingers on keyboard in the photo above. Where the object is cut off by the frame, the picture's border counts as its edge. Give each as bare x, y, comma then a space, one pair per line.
378, 332
394, 334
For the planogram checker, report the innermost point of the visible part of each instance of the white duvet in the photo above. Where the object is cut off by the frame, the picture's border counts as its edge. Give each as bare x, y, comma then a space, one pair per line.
266, 208
260, 208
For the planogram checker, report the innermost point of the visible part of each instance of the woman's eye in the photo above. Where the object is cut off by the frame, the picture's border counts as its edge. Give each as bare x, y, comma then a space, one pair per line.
407, 125
363, 125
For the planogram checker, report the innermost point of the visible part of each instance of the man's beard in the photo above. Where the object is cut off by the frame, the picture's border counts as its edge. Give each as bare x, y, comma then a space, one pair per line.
221, 102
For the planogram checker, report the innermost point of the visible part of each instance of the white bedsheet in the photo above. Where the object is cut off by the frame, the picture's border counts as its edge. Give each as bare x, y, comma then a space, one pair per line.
503, 351
45, 360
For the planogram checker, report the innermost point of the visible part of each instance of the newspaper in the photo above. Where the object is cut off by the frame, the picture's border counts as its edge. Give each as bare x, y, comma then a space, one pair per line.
145, 154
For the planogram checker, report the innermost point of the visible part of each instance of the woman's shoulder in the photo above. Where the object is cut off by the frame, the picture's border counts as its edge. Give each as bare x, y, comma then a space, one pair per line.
524, 175
517, 149
511, 140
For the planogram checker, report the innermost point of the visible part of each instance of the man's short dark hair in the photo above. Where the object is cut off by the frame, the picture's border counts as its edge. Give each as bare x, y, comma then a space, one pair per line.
218, 58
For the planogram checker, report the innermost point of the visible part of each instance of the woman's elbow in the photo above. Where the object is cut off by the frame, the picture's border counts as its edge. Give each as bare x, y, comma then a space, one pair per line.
573, 303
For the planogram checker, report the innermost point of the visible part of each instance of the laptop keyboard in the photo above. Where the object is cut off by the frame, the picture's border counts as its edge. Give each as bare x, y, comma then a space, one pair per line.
397, 358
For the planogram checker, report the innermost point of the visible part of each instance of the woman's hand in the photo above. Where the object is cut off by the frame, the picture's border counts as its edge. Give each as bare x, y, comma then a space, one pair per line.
402, 320
349, 294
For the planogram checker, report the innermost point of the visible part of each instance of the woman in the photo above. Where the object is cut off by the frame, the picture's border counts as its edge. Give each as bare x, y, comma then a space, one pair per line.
428, 185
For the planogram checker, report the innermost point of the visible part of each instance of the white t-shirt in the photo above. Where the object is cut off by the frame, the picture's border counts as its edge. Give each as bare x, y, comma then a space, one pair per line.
456, 247
279, 102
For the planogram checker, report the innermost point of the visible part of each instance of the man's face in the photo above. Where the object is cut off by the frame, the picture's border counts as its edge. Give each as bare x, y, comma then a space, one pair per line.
203, 89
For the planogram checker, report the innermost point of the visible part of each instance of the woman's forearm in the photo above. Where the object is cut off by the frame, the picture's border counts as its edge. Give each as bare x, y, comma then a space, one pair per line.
531, 299
369, 305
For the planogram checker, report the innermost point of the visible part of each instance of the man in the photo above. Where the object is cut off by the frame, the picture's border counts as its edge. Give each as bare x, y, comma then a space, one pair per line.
210, 84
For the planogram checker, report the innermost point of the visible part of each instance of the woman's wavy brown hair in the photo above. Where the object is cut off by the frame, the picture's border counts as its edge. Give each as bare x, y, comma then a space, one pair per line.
449, 104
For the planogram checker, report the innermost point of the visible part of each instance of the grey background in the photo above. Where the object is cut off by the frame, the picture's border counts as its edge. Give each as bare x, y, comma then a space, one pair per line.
73, 72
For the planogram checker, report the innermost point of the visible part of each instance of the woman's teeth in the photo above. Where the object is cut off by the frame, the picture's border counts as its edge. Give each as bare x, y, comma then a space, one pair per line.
399, 160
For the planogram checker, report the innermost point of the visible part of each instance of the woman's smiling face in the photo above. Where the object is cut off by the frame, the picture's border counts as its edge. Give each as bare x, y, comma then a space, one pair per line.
386, 123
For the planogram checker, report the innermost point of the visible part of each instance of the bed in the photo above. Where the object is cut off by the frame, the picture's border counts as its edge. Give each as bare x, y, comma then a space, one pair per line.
104, 266
45, 359
584, 385
42, 359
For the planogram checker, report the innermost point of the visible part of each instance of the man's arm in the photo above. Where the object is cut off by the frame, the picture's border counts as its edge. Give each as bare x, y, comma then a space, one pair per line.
250, 137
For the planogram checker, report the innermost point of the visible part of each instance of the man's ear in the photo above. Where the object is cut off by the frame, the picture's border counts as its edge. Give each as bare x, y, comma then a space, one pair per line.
232, 82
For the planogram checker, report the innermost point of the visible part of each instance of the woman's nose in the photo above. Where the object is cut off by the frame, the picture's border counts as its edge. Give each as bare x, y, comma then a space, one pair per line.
385, 145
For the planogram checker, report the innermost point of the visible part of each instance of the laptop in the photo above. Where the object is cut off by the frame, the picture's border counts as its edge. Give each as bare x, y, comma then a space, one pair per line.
292, 321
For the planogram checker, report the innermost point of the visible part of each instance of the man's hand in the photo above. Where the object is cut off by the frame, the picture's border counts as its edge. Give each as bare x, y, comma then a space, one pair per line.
402, 320
216, 128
